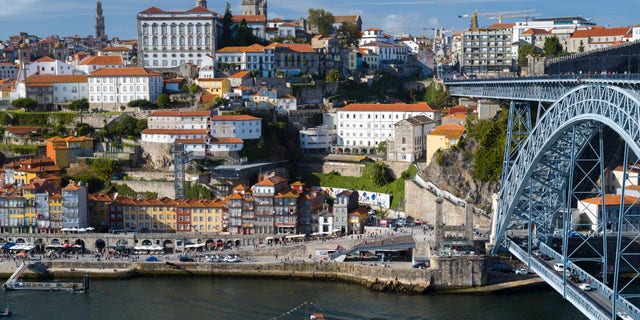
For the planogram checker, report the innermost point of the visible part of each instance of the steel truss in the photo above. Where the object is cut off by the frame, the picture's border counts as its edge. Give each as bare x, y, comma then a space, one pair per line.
562, 163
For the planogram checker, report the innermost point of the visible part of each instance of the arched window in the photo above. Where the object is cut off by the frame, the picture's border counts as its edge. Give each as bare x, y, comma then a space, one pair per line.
164, 40
154, 41
173, 40
198, 41
190, 41
163, 28
182, 40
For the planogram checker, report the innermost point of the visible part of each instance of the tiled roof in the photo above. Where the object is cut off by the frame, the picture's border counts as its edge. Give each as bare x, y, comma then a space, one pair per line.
22, 129
536, 31
72, 187
175, 131
211, 79
225, 141
102, 60
398, 107
502, 26
613, 199
46, 59
153, 10
115, 49
458, 115
238, 117
240, 74
200, 9
178, 113
341, 19
123, 72
55, 78
249, 18
448, 130
232, 49
600, 32
297, 47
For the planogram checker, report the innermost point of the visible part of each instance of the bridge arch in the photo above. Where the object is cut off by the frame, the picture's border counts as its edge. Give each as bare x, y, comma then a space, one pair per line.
548, 177
580, 112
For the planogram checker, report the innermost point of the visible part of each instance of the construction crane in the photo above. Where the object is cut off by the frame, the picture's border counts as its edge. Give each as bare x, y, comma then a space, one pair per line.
474, 16
527, 16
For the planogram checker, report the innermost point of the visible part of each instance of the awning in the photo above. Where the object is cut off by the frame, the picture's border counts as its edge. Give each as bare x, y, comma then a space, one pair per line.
8, 245
268, 238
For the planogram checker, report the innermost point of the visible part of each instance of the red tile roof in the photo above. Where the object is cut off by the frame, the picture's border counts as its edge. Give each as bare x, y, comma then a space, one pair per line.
124, 72
102, 60
46, 59
601, 32
240, 74
22, 129
115, 49
200, 9
153, 10
226, 141
448, 130
175, 131
613, 199
48, 79
398, 107
249, 18
536, 31
238, 117
179, 113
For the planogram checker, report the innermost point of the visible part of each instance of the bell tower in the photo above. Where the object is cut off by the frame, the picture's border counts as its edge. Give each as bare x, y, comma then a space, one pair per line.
201, 3
99, 21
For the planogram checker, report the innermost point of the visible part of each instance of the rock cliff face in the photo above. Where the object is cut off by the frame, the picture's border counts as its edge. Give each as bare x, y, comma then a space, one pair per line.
454, 173
156, 155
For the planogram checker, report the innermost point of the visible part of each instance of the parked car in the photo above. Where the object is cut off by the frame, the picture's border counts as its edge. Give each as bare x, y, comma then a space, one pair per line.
213, 258
151, 259
522, 271
187, 259
585, 287
232, 258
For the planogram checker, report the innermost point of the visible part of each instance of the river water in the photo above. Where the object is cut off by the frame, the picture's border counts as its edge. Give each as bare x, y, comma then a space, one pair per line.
244, 298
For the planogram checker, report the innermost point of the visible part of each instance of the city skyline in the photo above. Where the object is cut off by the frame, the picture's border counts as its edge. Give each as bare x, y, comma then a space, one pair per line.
75, 17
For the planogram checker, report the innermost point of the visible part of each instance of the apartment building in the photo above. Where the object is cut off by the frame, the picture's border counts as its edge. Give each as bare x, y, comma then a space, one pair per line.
114, 88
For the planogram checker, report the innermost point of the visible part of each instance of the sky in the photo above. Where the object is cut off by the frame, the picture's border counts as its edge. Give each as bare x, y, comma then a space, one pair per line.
77, 17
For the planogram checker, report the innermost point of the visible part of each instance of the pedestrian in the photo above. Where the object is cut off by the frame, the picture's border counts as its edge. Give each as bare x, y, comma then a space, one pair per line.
276, 256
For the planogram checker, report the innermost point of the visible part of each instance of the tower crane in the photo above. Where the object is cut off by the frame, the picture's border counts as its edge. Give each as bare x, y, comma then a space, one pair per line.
527, 16
474, 16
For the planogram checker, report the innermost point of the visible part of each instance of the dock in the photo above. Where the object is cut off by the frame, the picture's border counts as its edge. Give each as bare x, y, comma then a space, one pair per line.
15, 283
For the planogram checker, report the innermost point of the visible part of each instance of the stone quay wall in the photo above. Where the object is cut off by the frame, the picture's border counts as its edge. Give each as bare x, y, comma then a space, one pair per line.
449, 272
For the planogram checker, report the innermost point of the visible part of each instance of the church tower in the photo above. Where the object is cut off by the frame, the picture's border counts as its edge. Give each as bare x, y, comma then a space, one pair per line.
99, 21
254, 7
201, 3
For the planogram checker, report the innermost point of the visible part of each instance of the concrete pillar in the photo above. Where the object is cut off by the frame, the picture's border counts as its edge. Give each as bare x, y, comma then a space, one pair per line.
438, 225
468, 224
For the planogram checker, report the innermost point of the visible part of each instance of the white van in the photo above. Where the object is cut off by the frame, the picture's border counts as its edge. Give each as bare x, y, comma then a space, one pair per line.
558, 267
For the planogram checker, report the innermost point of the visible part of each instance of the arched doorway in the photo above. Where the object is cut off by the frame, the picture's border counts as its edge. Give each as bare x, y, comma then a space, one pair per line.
100, 245
169, 247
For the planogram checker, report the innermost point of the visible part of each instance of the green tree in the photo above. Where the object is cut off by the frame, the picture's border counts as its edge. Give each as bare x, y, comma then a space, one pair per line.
194, 88
84, 129
226, 38
27, 104
244, 35
333, 75
322, 20
382, 147
552, 47
524, 50
581, 47
139, 103
163, 100
103, 168
79, 105
349, 33
380, 173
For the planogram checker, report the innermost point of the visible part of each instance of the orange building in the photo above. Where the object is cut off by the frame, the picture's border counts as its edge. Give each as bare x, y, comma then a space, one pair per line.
64, 151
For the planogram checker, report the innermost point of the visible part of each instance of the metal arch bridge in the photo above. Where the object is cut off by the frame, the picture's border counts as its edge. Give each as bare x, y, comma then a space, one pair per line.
554, 185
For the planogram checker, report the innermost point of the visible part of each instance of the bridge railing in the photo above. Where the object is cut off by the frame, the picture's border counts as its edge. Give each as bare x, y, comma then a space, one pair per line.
552, 277
555, 77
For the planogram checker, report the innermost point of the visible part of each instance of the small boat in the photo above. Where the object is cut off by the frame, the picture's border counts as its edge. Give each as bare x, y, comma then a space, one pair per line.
316, 316
6, 312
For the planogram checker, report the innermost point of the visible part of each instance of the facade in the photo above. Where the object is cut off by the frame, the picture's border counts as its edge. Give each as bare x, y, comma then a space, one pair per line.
487, 51
244, 127
174, 119
443, 137
372, 35
597, 38
346, 202
410, 139
24, 171
65, 151
112, 88
92, 64
54, 90
361, 127
171, 135
318, 139
8, 70
167, 39
254, 7
75, 212
590, 212
46, 65
217, 86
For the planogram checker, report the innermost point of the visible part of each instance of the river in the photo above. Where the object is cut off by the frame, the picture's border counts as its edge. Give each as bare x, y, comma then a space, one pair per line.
244, 298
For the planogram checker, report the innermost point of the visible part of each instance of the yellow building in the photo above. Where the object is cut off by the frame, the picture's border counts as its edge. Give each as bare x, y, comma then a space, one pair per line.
217, 86
99, 211
64, 151
24, 171
56, 211
163, 214
206, 216
443, 137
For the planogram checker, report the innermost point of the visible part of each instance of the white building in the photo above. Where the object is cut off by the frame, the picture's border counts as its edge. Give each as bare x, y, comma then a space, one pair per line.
170, 135
115, 87
361, 127
46, 65
92, 64
244, 127
373, 35
410, 139
225, 144
254, 57
317, 139
196, 148
167, 39
174, 119
8, 70
56, 90
388, 53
